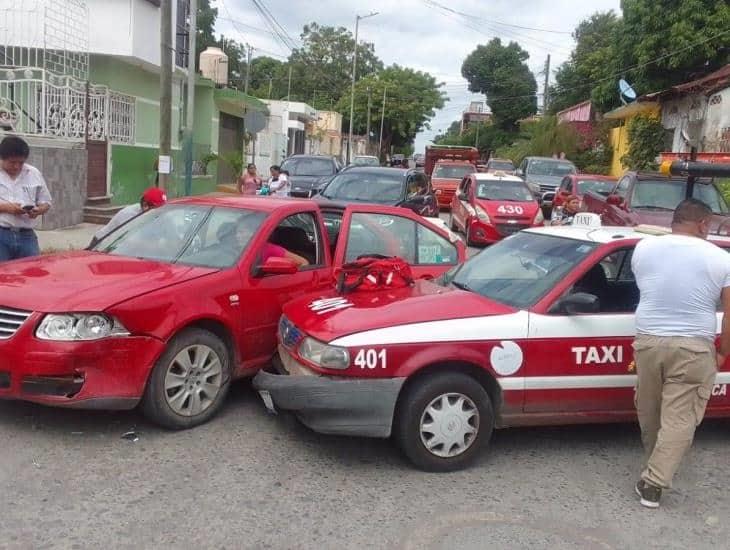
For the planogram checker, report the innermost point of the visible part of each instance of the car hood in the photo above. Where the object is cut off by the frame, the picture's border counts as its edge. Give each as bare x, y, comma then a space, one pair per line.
544, 180
509, 209
85, 281
328, 316
306, 183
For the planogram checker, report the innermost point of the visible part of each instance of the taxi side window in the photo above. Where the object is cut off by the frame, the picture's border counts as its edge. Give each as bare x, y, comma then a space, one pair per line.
397, 236
299, 234
568, 185
612, 282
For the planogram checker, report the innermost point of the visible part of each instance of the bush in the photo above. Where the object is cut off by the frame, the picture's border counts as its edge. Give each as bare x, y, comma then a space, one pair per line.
646, 141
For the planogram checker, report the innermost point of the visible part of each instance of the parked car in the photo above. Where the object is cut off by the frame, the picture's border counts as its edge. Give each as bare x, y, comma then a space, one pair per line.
650, 198
578, 185
500, 165
391, 186
166, 310
308, 172
544, 174
399, 160
446, 176
536, 330
420, 160
489, 207
365, 161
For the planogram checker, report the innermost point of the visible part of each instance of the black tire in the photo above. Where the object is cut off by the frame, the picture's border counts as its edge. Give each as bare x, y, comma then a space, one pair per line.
452, 224
155, 405
412, 407
467, 234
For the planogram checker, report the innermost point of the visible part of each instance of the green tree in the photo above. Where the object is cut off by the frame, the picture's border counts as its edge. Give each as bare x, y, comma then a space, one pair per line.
646, 141
501, 74
205, 37
593, 60
412, 98
322, 67
269, 78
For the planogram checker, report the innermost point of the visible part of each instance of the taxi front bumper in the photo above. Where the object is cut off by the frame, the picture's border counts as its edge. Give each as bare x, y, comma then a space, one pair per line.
329, 405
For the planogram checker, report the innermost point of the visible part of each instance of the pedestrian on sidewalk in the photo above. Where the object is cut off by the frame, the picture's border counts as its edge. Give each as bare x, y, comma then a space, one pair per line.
279, 182
250, 182
24, 197
681, 278
152, 198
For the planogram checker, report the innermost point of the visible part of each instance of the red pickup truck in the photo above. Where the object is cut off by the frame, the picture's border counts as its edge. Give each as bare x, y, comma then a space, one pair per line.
650, 198
169, 308
447, 165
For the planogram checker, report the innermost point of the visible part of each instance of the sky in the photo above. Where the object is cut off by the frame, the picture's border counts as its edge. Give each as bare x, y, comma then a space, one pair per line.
417, 34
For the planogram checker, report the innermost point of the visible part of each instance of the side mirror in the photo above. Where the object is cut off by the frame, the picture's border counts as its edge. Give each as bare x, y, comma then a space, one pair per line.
614, 199
463, 197
278, 266
519, 173
578, 303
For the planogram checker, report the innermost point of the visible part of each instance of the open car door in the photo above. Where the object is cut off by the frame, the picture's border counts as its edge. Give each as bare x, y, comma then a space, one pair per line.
430, 250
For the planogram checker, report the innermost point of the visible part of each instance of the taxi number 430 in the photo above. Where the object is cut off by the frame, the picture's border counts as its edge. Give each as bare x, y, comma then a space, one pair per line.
371, 359
510, 209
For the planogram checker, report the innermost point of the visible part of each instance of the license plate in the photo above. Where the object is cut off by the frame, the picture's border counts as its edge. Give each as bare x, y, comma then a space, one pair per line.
268, 402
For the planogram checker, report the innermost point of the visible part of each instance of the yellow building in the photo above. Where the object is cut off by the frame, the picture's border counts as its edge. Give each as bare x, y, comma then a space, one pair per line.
619, 136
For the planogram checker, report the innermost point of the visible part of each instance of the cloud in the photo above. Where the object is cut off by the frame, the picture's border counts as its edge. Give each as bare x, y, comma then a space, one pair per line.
414, 34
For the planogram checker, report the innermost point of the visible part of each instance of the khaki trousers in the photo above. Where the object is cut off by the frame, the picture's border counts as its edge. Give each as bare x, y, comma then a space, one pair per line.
675, 376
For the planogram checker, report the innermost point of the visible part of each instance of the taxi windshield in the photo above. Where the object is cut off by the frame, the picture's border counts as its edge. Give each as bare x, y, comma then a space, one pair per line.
185, 234
503, 190
521, 269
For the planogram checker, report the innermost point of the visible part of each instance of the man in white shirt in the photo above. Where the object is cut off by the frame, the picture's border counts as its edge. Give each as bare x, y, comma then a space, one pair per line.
24, 197
279, 182
154, 197
681, 278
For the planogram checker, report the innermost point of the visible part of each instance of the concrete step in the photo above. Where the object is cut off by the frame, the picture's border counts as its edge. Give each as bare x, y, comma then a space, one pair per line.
99, 201
102, 210
94, 218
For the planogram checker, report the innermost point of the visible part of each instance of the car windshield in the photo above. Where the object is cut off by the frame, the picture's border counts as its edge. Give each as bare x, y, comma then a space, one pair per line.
384, 188
185, 234
453, 172
602, 187
667, 194
503, 191
500, 165
551, 168
309, 167
365, 161
519, 270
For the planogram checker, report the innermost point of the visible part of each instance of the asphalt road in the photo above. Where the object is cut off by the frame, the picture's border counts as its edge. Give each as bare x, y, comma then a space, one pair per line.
68, 479
251, 480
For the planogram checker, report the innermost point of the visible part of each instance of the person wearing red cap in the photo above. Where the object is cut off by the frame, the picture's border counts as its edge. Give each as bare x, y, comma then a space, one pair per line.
154, 197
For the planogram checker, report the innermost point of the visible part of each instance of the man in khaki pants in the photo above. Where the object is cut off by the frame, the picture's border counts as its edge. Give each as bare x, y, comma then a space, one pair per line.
682, 278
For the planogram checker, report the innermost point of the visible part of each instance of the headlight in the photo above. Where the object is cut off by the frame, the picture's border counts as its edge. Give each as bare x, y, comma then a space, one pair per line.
328, 357
68, 327
482, 215
539, 218
534, 187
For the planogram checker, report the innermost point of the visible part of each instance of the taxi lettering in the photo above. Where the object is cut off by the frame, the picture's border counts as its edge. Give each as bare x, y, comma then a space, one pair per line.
598, 355
719, 389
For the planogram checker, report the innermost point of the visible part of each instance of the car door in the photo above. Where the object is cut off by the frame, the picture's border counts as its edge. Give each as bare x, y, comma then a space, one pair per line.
466, 209
264, 295
585, 360
389, 231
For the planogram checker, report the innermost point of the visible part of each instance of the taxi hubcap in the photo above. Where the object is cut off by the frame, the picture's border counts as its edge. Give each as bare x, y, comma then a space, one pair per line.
449, 425
193, 380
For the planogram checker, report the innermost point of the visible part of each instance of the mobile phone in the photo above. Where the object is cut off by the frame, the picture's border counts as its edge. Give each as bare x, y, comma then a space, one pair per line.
28, 207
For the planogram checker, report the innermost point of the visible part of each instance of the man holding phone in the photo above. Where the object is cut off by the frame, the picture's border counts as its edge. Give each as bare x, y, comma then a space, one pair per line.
24, 197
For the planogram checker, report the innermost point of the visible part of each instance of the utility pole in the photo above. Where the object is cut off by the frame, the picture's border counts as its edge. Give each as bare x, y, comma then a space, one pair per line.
288, 88
190, 115
476, 140
546, 94
248, 68
368, 120
271, 84
163, 166
382, 122
352, 91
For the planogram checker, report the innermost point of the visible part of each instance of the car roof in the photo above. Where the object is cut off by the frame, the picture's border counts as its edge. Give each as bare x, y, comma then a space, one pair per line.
375, 170
600, 177
308, 157
484, 176
608, 234
365, 157
549, 158
499, 160
249, 202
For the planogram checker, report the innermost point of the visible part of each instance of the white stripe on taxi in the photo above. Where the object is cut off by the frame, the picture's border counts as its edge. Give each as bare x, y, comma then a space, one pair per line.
580, 382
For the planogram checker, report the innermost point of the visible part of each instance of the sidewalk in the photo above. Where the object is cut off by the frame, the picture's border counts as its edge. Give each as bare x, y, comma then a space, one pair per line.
76, 237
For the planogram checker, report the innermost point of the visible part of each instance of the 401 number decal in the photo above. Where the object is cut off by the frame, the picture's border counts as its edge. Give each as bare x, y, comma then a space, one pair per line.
371, 359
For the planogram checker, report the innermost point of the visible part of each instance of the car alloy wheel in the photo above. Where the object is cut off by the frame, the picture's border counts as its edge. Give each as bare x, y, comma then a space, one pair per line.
449, 425
193, 380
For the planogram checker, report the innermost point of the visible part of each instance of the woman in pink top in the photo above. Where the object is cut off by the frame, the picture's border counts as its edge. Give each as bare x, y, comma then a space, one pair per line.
249, 182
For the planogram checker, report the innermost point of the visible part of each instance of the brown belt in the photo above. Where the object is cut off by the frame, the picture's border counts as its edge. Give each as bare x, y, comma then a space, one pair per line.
17, 229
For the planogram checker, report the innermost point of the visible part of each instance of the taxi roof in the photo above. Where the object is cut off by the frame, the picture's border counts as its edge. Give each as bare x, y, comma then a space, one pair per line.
251, 202
605, 234
492, 176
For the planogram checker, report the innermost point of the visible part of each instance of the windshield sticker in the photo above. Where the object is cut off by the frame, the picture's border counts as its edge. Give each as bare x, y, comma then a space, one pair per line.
507, 359
429, 254
327, 305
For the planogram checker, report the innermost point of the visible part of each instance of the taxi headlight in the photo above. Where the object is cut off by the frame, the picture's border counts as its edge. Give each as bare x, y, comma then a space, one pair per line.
68, 327
482, 215
328, 357
539, 218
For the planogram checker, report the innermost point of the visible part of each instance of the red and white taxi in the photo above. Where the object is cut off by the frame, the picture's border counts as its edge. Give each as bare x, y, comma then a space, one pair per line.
489, 207
535, 330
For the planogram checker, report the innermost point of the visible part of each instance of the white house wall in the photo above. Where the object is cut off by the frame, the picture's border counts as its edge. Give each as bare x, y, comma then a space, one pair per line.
717, 122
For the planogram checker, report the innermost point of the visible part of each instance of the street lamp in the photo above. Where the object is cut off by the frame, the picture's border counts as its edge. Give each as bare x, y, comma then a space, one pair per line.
352, 92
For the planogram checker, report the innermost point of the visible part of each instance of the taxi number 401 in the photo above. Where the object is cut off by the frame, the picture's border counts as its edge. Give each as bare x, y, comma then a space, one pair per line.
371, 359
510, 209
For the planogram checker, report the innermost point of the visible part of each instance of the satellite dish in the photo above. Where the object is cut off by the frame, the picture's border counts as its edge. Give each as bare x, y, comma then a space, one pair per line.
626, 92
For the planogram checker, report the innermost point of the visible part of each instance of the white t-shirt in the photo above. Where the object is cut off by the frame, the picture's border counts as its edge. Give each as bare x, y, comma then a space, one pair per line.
680, 279
120, 218
28, 188
280, 188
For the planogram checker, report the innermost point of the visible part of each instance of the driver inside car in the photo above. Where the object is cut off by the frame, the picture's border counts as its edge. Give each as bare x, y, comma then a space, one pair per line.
237, 236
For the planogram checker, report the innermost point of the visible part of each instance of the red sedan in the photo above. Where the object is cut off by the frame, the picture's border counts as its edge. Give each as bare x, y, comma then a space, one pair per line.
489, 207
579, 185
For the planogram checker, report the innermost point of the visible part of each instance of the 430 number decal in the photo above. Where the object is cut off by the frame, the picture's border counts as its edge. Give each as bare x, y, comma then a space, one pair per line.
510, 209
371, 359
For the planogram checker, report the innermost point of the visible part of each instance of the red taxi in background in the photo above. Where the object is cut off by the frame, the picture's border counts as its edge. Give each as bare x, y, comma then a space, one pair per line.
535, 330
578, 185
489, 207
170, 307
